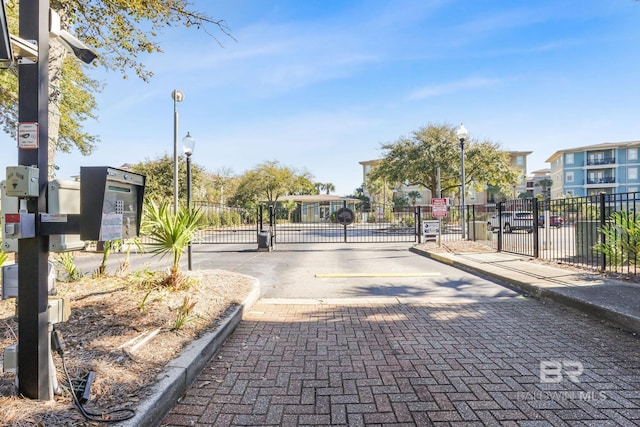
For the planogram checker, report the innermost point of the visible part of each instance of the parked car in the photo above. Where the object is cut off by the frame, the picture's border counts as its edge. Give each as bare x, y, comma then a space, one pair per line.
512, 221
554, 221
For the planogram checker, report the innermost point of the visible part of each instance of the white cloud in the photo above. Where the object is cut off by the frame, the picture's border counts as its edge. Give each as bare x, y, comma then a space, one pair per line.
453, 87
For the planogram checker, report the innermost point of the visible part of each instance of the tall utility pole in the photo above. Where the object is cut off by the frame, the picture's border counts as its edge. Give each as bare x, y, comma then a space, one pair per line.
34, 379
177, 96
461, 133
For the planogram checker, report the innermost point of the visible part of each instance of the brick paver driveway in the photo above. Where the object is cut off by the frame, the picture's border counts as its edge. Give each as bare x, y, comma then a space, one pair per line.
475, 363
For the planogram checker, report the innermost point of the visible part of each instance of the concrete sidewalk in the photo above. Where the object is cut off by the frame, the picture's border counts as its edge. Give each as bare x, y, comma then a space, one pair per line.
611, 300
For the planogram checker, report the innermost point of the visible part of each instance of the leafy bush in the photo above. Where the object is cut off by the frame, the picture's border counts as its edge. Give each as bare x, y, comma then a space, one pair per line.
409, 221
622, 238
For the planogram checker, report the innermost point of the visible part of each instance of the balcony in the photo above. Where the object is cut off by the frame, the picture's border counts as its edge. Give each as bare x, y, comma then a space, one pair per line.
605, 180
599, 162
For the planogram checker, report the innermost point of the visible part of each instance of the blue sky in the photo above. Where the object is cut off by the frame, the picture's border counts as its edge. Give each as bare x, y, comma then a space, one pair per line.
320, 85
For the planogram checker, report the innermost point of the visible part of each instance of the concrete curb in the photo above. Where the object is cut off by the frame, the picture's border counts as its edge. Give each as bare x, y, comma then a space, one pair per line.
179, 373
607, 313
509, 282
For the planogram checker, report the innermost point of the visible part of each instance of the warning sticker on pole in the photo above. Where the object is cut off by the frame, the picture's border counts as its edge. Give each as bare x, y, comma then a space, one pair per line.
28, 135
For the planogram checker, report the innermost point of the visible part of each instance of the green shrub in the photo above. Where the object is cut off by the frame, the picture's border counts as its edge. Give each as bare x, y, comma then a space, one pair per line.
622, 238
66, 260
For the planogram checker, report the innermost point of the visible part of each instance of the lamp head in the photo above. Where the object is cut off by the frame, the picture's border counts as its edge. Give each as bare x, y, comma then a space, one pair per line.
188, 144
461, 132
177, 95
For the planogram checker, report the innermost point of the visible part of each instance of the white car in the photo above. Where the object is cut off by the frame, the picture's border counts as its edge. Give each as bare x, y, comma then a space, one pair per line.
512, 221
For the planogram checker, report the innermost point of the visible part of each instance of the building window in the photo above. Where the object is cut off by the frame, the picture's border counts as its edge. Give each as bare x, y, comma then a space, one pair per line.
569, 158
519, 160
632, 154
569, 177
632, 189
632, 174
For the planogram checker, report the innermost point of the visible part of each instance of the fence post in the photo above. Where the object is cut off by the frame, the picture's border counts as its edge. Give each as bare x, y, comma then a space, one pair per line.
344, 205
603, 238
500, 204
272, 224
473, 221
536, 241
418, 226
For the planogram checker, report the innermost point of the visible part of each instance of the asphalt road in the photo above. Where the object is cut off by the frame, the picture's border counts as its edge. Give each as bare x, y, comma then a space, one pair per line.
327, 270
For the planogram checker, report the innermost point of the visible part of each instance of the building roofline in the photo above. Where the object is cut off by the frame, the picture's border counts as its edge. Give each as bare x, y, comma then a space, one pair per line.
604, 145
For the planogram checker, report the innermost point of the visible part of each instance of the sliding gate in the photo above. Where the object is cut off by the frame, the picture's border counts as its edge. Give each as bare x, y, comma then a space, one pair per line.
352, 227
226, 225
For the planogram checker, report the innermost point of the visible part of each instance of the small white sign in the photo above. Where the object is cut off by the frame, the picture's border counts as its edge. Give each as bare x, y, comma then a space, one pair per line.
28, 135
111, 227
430, 228
53, 217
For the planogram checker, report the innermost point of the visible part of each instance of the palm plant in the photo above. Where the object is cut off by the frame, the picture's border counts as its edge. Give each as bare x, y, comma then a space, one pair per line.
622, 238
170, 234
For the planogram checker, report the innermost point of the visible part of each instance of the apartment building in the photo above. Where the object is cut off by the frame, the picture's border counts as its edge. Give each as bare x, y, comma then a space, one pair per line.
538, 182
610, 167
518, 160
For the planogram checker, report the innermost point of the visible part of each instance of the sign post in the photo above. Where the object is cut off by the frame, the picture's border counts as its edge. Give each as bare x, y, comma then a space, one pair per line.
439, 211
34, 370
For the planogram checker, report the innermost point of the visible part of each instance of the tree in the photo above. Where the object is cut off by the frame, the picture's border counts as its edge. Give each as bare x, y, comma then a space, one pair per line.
121, 32
359, 194
545, 184
321, 186
269, 181
414, 196
415, 160
159, 177
379, 192
221, 186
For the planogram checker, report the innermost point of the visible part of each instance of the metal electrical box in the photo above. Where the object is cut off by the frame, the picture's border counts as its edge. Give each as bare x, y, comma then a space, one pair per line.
110, 203
63, 198
10, 280
22, 181
9, 205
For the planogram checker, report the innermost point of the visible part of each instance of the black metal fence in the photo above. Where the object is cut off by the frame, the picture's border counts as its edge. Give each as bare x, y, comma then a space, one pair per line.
377, 226
600, 232
224, 224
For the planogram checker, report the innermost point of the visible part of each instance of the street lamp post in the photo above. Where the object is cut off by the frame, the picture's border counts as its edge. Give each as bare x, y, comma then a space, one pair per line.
461, 133
177, 96
188, 144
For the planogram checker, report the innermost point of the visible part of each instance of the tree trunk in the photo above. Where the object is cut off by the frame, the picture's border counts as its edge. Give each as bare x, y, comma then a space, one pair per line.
57, 54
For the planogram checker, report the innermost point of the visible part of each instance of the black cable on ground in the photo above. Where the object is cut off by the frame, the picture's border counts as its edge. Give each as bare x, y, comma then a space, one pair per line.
104, 417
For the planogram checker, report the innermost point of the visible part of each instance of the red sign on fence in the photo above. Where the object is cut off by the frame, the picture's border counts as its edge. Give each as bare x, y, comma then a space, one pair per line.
439, 208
